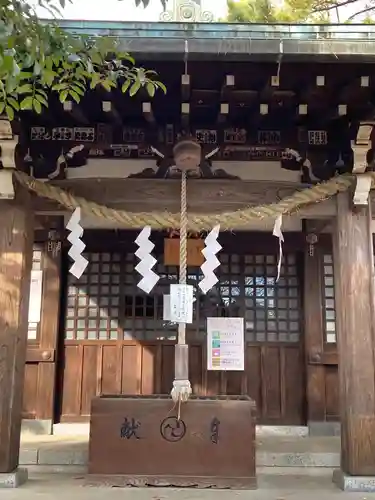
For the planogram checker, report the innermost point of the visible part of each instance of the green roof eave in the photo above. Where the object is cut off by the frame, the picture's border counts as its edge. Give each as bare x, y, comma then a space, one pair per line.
250, 40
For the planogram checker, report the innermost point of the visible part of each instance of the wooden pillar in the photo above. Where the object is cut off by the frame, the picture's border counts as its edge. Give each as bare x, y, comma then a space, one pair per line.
16, 240
354, 290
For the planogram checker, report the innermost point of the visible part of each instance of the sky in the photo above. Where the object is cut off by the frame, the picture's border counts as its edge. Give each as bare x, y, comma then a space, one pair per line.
125, 10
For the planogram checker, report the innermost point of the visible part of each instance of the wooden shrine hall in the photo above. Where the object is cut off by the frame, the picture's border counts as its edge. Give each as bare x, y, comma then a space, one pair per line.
284, 118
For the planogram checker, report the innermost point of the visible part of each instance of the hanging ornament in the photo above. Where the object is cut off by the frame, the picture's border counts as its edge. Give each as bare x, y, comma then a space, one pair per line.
75, 252
146, 262
212, 262
278, 233
312, 240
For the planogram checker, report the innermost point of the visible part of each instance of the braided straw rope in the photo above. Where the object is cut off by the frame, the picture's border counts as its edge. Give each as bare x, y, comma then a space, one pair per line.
183, 231
196, 222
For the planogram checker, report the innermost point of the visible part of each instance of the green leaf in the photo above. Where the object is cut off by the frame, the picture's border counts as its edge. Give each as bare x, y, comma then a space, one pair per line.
2, 107
42, 100
107, 85
8, 64
78, 90
63, 96
134, 88
12, 102
37, 68
60, 86
150, 87
25, 75
43, 92
75, 96
37, 106
161, 86
24, 89
10, 112
27, 103
125, 86
49, 76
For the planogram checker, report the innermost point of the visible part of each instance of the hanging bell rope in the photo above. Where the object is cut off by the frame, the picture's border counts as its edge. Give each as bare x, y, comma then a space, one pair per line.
195, 222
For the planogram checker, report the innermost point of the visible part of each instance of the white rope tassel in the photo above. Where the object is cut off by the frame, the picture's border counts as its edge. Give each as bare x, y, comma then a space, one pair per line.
181, 391
278, 233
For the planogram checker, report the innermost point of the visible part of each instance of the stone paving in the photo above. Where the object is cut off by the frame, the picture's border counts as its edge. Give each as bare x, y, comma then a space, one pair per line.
57, 453
63, 486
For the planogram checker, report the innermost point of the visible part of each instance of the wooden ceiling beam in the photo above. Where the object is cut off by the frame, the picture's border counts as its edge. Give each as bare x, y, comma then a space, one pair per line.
313, 89
228, 86
355, 90
111, 112
204, 196
274, 95
185, 87
223, 113
75, 111
185, 114
147, 112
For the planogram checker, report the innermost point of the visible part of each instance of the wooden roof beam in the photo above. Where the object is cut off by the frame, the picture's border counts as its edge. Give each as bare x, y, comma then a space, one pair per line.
185, 114
185, 87
76, 112
355, 90
270, 86
302, 109
223, 113
313, 88
228, 85
147, 112
110, 110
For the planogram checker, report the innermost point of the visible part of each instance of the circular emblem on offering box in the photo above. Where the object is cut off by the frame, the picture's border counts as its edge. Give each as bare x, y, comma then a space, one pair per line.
172, 429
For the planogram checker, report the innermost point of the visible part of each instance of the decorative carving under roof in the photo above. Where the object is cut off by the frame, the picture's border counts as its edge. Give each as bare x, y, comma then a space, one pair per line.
187, 11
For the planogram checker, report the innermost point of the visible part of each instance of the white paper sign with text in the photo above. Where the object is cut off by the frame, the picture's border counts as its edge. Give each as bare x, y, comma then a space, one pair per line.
225, 344
181, 303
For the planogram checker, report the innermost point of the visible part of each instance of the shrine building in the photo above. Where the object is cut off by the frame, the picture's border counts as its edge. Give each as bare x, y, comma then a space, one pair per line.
277, 110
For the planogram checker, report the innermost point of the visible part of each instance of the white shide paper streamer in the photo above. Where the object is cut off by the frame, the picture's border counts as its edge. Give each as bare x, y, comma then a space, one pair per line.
75, 252
212, 262
147, 261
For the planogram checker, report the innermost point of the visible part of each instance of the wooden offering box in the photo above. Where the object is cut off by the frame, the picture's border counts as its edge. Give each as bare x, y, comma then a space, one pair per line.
137, 440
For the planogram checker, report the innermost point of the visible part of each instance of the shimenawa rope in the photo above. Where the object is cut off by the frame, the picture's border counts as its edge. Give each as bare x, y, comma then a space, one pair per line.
196, 222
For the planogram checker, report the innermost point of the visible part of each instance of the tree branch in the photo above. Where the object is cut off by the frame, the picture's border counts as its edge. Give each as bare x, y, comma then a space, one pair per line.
363, 11
334, 5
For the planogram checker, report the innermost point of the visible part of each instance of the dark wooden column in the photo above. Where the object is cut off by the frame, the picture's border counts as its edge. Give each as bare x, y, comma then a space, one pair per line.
354, 273
16, 239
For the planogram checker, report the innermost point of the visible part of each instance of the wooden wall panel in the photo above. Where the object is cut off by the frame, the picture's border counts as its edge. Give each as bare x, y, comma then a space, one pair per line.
131, 374
89, 359
196, 369
72, 380
150, 380
272, 377
30, 391
167, 368
109, 369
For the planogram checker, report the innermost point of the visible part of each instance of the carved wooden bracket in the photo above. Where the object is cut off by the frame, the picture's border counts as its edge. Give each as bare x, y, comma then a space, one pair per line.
8, 144
362, 190
6, 184
360, 147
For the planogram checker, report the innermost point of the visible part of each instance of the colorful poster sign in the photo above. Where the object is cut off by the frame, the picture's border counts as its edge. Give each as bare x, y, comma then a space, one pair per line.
225, 344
